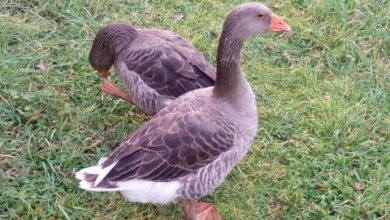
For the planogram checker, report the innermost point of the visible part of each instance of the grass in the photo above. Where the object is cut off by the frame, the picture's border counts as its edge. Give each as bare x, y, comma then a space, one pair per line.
323, 146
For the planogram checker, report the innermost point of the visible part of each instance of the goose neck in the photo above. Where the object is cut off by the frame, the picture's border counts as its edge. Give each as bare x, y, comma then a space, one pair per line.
229, 76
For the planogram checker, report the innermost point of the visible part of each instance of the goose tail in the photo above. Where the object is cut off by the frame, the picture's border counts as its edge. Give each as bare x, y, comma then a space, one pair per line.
91, 177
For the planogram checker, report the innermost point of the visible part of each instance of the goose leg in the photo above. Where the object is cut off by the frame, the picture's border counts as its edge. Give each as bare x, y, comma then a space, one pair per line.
190, 210
110, 88
194, 210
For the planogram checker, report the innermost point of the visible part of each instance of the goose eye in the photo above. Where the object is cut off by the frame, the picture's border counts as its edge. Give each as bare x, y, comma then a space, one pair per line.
260, 15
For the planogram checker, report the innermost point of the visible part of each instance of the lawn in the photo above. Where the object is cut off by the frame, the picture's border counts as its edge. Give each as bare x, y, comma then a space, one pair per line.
323, 145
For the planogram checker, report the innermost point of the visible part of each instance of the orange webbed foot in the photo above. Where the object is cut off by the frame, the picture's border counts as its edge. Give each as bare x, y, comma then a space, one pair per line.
111, 89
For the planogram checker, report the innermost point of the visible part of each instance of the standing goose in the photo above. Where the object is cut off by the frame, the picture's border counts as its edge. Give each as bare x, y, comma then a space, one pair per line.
155, 65
187, 149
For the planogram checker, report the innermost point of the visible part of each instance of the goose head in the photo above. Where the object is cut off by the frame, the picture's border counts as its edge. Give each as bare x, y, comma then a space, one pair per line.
253, 19
108, 43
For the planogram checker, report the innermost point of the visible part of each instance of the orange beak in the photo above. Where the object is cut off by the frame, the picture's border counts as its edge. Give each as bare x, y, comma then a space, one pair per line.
278, 25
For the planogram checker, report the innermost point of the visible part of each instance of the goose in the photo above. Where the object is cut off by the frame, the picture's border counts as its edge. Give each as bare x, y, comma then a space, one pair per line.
155, 65
188, 148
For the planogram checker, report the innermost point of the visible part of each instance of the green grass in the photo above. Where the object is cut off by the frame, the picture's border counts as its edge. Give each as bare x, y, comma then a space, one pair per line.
323, 146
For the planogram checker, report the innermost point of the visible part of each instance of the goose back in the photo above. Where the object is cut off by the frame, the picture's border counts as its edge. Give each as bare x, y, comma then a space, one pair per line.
168, 63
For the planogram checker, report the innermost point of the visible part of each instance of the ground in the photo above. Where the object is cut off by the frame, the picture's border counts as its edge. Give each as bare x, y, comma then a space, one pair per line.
323, 145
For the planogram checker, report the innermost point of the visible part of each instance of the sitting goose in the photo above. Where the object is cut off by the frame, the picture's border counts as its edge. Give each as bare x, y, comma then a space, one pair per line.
155, 65
187, 149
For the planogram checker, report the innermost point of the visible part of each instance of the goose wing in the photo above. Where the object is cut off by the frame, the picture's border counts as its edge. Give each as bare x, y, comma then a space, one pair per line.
171, 69
168, 147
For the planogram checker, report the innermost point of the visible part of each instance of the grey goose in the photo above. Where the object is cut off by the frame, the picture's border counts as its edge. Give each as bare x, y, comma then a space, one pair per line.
155, 65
